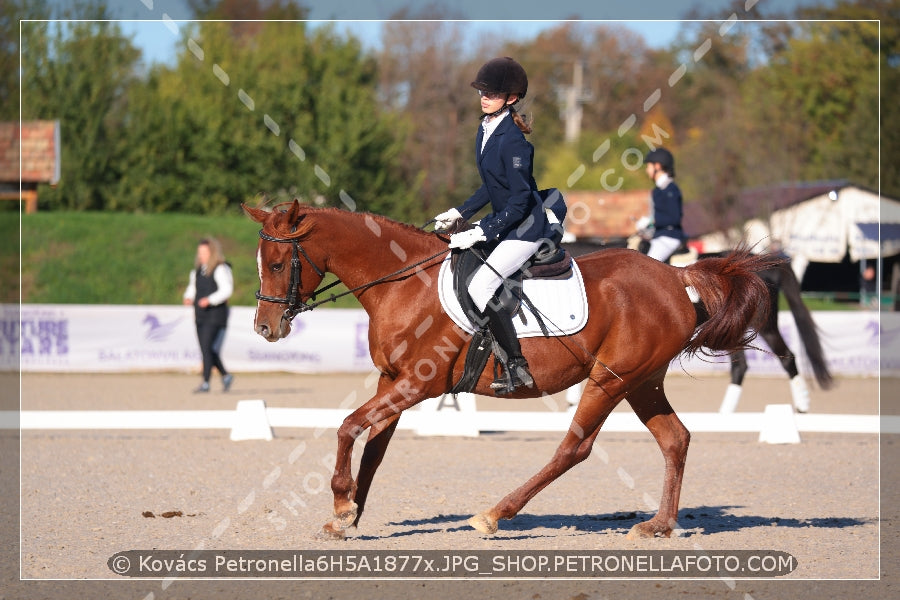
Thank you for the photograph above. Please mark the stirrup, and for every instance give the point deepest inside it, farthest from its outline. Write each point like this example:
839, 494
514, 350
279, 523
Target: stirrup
515, 375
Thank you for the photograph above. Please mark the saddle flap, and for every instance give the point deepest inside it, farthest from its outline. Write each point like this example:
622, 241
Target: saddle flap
464, 263
560, 302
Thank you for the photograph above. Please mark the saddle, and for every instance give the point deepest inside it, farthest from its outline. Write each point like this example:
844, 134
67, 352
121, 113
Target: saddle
547, 263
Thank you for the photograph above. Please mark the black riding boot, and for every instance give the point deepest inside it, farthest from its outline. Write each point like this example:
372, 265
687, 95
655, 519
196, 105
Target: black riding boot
516, 373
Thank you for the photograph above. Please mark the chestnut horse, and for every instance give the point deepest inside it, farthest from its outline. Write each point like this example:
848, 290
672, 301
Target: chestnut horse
640, 318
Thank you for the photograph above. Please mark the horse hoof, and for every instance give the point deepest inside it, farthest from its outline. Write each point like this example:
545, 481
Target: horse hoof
483, 524
345, 519
646, 530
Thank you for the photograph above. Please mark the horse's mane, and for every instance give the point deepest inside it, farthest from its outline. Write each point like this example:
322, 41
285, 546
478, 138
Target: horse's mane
304, 226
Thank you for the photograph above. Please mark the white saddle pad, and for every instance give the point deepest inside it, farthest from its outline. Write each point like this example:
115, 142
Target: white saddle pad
562, 304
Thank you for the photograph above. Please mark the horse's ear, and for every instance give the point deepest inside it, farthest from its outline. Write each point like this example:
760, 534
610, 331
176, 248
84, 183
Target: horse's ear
257, 214
293, 213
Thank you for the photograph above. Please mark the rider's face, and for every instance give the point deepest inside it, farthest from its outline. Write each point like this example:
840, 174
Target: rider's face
491, 103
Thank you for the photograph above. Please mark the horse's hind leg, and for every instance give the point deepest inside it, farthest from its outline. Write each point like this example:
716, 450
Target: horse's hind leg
594, 407
780, 348
652, 407
799, 390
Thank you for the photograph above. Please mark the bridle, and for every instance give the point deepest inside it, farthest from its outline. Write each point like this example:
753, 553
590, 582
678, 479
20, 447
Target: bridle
295, 305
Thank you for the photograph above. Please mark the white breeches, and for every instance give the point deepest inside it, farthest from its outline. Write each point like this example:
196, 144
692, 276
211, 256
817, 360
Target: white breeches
506, 259
661, 248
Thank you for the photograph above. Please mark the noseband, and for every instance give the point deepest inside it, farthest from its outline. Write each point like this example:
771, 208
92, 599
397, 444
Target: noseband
295, 305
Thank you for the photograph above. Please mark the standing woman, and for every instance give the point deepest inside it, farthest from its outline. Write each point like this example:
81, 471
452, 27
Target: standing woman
209, 288
518, 222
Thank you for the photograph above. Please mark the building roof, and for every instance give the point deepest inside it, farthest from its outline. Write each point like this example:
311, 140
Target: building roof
37, 143
753, 203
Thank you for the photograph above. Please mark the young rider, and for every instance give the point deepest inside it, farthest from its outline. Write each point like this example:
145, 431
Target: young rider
667, 205
517, 221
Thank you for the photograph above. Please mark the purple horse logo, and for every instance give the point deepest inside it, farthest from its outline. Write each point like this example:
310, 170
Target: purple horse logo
159, 331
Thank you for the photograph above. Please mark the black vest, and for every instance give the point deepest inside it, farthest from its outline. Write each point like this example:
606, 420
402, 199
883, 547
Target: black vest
206, 285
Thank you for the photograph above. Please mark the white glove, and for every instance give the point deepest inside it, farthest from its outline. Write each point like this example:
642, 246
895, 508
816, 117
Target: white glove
644, 227
468, 238
446, 219
644, 223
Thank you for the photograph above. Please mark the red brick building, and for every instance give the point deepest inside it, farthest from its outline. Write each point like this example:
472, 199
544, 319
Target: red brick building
29, 155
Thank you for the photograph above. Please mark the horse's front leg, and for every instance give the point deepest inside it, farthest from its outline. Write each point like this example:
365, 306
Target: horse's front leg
381, 414
376, 446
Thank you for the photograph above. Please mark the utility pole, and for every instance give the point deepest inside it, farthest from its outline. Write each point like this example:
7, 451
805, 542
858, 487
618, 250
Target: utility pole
574, 98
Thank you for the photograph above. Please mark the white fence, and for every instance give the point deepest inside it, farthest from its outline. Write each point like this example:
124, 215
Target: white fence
92, 338
252, 420
77, 338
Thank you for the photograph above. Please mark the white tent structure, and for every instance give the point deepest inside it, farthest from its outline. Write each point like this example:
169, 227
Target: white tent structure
827, 227
824, 228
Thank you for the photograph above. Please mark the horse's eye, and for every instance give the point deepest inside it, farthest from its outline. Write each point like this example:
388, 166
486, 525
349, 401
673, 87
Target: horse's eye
277, 267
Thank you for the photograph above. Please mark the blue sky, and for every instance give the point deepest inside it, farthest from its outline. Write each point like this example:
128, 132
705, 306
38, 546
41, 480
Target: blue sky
657, 21
474, 9
160, 44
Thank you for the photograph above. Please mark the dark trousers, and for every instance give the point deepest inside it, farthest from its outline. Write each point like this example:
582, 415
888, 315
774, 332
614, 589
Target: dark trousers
211, 335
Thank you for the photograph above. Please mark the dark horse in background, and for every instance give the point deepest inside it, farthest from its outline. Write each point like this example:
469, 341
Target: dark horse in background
641, 314
780, 277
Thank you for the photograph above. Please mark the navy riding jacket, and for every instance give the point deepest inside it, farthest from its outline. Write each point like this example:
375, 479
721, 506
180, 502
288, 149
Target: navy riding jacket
508, 184
667, 211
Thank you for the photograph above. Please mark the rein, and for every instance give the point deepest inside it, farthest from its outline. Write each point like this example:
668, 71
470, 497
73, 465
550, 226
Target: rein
295, 305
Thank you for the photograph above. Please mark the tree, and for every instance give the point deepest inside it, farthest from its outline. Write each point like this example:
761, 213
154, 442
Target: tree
617, 76
278, 113
707, 116
859, 138
426, 68
774, 102
818, 97
11, 13
80, 72
424, 78
618, 166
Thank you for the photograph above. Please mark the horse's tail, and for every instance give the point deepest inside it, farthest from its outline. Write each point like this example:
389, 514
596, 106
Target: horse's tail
790, 287
735, 299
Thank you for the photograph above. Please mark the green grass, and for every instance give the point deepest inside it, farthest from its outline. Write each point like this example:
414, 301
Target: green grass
117, 258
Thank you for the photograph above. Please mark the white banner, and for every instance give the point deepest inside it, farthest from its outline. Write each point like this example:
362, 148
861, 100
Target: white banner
82, 338
850, 342
92, 338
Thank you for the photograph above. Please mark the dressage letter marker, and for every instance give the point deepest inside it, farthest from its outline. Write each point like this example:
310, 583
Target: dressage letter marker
779, 425
251, 421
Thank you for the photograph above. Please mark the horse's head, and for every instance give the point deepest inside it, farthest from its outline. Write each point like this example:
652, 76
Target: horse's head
287, 274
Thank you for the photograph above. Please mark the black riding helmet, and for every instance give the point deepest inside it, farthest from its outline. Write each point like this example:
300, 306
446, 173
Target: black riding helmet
502, 76
664, 158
